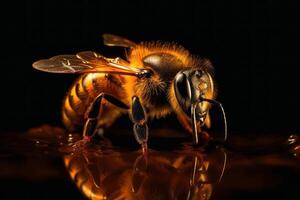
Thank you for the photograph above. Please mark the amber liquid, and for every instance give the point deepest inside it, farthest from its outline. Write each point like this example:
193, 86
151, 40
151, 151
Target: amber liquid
47, 163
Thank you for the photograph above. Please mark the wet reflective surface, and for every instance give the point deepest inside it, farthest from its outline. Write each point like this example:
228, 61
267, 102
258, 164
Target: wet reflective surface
47, 163
103, 173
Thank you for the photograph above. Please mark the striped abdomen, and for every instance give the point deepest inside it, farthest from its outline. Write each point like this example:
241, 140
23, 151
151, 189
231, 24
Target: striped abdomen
83, 93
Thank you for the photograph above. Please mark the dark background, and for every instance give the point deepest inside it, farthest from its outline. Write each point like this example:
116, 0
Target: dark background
254, 46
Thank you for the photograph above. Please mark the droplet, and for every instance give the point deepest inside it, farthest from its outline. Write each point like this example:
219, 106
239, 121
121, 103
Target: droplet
295, 150
292, 139
70, 138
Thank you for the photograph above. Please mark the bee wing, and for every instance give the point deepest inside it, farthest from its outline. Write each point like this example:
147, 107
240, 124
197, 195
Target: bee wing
115, 40
85, 62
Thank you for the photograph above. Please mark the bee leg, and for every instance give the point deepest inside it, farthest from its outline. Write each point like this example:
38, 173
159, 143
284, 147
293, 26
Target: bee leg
140, 127
90, 125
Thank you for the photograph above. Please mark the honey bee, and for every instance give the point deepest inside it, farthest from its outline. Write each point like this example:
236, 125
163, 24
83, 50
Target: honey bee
154, 80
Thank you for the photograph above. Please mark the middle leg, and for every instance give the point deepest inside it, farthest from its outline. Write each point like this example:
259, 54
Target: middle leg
140, 127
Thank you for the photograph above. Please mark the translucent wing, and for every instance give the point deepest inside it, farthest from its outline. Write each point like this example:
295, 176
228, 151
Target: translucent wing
85, 62
114, 40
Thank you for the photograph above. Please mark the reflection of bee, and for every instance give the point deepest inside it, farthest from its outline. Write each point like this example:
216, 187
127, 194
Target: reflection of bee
156, 79
186, 174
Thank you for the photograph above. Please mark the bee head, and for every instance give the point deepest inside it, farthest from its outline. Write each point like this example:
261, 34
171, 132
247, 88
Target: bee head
194, 91
191, 85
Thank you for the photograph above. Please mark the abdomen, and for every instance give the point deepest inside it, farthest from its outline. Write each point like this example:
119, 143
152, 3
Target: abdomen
83, 93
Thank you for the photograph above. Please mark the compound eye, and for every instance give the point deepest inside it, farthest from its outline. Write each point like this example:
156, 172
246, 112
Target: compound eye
182, 91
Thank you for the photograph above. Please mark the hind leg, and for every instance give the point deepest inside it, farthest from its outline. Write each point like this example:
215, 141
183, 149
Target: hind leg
94, 112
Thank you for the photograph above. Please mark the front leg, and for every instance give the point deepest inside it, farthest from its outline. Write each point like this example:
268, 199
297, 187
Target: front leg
140, 128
